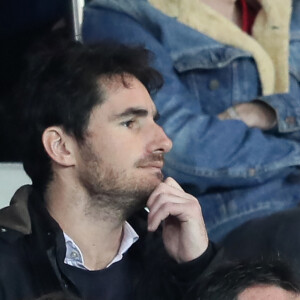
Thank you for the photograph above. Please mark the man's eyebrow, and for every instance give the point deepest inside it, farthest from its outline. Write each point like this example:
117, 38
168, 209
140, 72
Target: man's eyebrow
133, 111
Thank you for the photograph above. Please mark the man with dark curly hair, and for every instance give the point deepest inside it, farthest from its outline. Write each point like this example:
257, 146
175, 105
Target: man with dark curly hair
94, 152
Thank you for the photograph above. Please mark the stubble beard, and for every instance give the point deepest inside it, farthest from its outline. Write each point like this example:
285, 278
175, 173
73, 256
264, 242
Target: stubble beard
111, 192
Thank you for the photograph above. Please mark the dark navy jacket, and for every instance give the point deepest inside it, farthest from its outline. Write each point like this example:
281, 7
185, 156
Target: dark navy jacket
32, 250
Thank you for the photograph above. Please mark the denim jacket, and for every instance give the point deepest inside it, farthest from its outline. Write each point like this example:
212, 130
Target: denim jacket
236, 172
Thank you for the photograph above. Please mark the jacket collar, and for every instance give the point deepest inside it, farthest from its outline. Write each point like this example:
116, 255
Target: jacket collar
44, 242
16, 215
28, 215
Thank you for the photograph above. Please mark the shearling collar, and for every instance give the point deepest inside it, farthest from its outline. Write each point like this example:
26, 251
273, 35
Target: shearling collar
269, 43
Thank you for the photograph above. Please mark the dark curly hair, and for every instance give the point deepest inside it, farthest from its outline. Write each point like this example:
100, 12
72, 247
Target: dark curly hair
229, 280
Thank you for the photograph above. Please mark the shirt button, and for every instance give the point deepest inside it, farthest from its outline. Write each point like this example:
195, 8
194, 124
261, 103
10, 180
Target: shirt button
290, 120
74, 254
251, 172
214, 84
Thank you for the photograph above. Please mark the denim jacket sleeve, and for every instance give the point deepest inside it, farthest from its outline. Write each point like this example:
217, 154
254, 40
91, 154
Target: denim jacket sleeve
287, 106
220, 153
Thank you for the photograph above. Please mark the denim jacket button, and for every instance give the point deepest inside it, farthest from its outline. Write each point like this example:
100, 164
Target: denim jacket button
252, 172
290, 120
214, 84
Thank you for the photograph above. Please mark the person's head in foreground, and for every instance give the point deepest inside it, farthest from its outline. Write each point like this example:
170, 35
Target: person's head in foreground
260, 280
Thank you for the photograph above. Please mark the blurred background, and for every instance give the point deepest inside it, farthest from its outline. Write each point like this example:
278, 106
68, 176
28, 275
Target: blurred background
22, 24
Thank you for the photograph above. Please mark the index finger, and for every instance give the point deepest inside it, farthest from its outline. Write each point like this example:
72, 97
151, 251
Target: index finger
172, 182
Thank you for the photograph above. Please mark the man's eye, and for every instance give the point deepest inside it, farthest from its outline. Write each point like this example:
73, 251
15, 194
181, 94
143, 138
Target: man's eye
129, 123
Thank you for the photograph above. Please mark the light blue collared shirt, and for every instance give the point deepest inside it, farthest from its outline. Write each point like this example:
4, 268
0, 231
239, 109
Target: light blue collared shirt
74, 255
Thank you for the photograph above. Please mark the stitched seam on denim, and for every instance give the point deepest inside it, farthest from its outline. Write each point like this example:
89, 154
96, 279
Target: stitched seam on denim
204, 64
258, 208
275, 166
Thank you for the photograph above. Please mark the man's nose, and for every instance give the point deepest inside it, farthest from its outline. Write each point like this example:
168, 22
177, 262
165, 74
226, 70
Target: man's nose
161, 142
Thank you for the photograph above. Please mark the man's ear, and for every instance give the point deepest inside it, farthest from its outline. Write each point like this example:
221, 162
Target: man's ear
59, 146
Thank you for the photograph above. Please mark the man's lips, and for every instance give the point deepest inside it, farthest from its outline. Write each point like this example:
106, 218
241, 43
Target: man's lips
154, 160
154, 164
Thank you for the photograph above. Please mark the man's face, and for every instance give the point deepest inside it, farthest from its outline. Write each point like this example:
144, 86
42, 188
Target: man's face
120, 162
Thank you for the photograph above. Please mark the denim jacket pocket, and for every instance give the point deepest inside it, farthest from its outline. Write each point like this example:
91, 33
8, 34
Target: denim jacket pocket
213, 57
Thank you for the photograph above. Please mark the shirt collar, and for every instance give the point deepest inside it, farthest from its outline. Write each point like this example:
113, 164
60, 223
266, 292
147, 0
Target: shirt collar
74, 256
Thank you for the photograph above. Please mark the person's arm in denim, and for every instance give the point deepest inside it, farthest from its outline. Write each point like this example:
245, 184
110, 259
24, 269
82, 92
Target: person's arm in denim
285, 107
279, 112
206, 150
